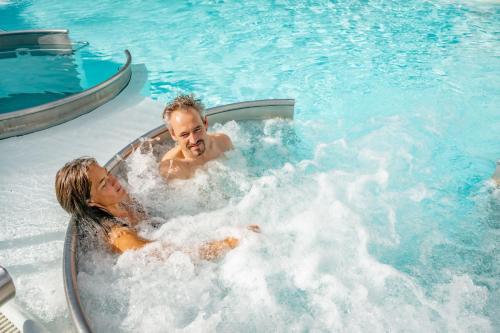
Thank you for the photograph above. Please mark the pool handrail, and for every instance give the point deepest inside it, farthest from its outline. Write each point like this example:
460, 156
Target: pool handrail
36, 41
62, 110
254, 110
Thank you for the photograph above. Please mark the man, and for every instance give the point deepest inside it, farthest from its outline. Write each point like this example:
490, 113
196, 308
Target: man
188, 125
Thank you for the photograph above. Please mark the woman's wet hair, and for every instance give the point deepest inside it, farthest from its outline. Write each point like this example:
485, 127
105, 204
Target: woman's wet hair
72, 187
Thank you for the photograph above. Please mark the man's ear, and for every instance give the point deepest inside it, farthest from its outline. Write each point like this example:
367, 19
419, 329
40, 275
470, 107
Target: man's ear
205, 122
172, 134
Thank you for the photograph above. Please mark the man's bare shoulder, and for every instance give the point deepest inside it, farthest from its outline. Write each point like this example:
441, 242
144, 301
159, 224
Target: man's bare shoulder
172, 154
223, 141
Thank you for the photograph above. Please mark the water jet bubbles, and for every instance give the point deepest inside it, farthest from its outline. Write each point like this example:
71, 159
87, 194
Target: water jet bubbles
310, 269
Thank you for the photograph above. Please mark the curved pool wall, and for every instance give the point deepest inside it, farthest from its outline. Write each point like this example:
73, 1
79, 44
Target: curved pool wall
253, 110
55, 42
35, 42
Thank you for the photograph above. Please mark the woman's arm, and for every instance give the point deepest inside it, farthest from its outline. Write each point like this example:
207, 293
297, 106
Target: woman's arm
123, 239
214, 249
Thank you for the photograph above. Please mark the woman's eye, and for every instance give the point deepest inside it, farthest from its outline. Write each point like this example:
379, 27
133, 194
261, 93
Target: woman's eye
106, 182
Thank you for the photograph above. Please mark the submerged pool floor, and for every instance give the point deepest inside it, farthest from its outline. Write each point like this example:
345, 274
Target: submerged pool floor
381, 196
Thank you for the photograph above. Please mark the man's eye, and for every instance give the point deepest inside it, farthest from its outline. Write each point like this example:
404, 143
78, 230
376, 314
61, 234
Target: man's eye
184, 135
197, 129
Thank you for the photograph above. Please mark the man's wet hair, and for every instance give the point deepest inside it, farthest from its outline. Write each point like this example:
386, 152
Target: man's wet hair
184, 102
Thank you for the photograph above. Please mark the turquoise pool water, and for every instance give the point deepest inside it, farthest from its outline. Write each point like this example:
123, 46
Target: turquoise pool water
396, 134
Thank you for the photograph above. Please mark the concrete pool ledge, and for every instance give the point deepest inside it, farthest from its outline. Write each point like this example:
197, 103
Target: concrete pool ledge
50, 114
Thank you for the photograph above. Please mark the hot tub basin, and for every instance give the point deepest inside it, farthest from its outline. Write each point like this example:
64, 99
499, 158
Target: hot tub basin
160, 138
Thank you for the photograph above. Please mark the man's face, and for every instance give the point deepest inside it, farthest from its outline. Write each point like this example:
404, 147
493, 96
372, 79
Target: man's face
190, 132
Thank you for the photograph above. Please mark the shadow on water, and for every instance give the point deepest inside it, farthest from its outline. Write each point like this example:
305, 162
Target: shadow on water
36, 267
18, 101
31, 240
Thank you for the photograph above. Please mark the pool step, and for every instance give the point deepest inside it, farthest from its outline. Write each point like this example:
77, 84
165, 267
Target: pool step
13, 318
6, 325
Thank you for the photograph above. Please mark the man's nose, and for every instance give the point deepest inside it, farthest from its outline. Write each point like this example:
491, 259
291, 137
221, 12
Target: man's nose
193, 138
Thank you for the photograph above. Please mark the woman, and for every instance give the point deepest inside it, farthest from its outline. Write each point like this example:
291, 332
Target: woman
98, 201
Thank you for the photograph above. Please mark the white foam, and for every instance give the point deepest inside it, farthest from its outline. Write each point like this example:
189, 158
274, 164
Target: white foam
309, 270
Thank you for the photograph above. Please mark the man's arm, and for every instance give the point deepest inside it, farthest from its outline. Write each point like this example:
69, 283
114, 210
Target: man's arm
223, 142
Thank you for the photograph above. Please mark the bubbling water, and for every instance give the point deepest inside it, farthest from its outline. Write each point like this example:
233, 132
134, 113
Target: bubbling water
309, 270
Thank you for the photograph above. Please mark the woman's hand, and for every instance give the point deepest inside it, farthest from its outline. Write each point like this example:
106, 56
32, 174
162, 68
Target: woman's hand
215, 249
231, 242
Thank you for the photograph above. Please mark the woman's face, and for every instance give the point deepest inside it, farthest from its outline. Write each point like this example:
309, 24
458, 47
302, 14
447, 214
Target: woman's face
105, 190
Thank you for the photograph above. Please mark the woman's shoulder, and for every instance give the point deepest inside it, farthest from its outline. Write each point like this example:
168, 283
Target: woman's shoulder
123, 238
117, 231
